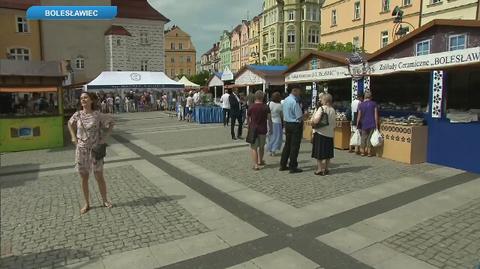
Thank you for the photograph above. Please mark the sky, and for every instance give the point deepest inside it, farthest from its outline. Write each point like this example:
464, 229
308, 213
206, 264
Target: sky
205, 20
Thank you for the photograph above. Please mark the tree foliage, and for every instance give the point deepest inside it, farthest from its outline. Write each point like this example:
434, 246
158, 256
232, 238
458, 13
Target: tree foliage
338, 47
285, 61
200, 78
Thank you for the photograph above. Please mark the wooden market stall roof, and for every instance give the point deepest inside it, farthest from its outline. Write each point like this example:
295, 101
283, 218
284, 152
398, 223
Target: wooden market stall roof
259, 74
215, 80
412, 35
27, 89
336, 58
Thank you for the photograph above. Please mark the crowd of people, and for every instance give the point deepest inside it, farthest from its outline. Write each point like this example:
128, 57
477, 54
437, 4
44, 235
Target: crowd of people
268, 121
136, 102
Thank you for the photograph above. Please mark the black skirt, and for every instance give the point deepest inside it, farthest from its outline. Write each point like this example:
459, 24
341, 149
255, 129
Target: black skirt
322, 147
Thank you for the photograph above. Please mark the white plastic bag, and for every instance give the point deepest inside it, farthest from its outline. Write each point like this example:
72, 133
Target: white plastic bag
356, 139
377, 138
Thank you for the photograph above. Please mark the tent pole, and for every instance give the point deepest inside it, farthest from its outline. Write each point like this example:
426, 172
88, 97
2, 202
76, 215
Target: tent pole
264, 87
215, 94
248, 90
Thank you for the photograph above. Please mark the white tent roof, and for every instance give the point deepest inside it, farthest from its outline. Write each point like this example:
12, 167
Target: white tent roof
132, 79
188, 84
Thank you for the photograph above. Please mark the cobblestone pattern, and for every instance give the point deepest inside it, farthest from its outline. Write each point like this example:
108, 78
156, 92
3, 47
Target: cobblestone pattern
41, 225
349, 173
447, 241
44, 156
187, 139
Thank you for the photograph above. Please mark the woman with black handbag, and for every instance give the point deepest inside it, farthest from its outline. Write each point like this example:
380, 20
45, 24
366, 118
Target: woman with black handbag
89, 129
323, 125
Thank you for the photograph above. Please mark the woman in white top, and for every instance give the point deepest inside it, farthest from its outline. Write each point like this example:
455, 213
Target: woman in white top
322, 148
275, 139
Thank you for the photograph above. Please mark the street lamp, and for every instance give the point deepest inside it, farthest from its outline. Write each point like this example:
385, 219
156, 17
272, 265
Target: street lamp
399, 29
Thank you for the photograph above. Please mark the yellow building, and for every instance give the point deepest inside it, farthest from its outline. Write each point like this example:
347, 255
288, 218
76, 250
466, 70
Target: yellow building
345, 21
19, 37
254, 42
180, 53
448, 9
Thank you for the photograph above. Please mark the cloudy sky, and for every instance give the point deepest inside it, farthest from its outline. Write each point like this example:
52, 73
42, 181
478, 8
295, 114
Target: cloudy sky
205, 20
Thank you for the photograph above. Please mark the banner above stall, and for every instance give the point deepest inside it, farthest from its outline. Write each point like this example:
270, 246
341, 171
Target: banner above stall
432, 61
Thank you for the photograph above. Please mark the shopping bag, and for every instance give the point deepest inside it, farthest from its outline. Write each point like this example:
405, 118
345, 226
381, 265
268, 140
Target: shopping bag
376, 140
356, 140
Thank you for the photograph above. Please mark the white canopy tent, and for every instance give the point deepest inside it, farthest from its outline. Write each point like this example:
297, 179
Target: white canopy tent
133, 80
188, 84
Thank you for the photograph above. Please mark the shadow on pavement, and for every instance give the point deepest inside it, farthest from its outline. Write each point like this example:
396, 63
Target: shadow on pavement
150, 201
354, 169
15, 182
55, 258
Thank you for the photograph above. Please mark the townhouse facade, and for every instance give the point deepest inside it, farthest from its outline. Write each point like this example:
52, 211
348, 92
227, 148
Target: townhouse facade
225, 50
254, 41
290, 28
236, 46
180, 53
20, 37
445, 9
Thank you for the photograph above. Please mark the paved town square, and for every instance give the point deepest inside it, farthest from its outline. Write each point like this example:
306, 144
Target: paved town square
183, 201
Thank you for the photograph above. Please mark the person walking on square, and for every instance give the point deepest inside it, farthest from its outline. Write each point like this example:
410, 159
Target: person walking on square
258, 115
275, 138
235, 115
226, 107
322, 144
88, 129
367, 122
292, 114
354, 111
189, 107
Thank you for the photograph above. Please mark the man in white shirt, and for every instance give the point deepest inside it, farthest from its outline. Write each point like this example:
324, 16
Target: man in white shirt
196, 98
226, 107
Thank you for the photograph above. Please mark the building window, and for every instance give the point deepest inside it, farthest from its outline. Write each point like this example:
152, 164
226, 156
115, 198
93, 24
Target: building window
189, 59
406, 2
144, 65
119, 42
291, 15
80, 63
356, 42
334, 17
272, 37
384, 39
181, 71
22, 25
189, 72
315, 14
180, 46
313, 36
181, 59
356, 11
291, 36
435, 1
143, 38
172, 46
19, 54
423, 48
457, 42
172, 60
385, 5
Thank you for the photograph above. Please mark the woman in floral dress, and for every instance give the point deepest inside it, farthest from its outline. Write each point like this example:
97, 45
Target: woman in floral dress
88, 128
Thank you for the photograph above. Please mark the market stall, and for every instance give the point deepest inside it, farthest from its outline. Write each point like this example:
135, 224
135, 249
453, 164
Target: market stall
216, 83
267, 78
324, 72
441, 84
118, 81
31, 108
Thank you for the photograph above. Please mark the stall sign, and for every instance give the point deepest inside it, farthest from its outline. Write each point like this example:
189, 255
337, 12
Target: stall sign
430, 61
318, 75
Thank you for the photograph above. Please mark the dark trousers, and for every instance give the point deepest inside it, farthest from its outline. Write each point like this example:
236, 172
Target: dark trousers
226, 116
236, 117
293, 133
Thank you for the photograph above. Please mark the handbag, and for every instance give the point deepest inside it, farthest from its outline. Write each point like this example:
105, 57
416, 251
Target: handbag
251, 135
99, 151
323, 120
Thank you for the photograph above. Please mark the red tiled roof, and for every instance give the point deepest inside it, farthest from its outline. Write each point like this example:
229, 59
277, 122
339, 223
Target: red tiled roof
117, 30
137, 9
19, 4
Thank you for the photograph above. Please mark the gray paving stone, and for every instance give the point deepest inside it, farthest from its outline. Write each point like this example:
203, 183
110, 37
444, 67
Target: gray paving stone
349, 173
41, 224
453, 248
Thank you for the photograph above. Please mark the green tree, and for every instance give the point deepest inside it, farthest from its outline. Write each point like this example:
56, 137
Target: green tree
285, 61
338, 46
200, 78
